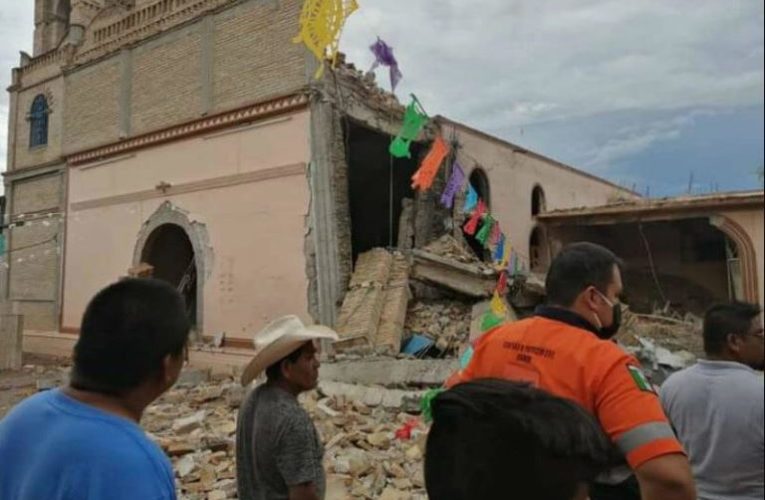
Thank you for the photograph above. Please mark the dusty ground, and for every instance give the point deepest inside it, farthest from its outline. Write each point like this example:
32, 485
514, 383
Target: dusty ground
17, 385
195, 423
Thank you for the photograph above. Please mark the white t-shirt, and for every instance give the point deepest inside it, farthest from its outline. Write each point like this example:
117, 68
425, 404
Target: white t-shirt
717, 409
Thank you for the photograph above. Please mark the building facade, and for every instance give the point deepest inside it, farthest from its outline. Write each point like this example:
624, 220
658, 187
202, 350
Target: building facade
190, 136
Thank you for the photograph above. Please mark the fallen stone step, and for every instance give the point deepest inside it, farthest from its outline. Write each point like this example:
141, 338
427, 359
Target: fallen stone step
407, 401
390, 372
467, 279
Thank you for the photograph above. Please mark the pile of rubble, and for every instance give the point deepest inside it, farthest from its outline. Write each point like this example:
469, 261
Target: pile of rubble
446, 321
195, 424
366, 453
373, 443
428, 293
663, 343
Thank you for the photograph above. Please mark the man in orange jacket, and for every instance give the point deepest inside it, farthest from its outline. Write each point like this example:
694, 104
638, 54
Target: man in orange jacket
566, 349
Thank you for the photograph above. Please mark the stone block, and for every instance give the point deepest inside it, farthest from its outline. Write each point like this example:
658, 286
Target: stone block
372, 268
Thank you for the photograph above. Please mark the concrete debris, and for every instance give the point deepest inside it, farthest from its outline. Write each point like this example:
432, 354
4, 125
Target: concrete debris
664, 331
193, 377
363, 457
394, 313
446, 322
371, 396
357, 424
374, 309
372, 269
188, 424
659, 362
449, 248
473, 280
527, 291
362, 453
388, 372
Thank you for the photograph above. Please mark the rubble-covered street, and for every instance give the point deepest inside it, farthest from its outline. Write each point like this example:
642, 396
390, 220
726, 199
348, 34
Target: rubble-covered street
366, 408
195, 424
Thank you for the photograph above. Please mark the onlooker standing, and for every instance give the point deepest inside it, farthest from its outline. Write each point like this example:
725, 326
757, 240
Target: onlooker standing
566, 350
279, 454
83, 442
717, 407
495, 439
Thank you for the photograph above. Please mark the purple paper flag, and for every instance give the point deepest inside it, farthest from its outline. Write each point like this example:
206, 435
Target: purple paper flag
512, 266
453, 186
384, 56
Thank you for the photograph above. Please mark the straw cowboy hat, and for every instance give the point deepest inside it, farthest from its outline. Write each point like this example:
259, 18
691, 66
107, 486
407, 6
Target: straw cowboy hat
280, 339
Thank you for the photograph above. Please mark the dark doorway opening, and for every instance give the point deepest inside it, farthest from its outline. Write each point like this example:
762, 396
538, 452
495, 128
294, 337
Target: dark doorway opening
169, 251
377, 184
538, 250
480, 182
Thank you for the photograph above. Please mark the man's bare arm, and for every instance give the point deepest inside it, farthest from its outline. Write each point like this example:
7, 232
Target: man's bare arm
305, 491
667, 477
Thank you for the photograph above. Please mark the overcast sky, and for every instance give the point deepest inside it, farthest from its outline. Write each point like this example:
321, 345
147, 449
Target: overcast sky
641, 92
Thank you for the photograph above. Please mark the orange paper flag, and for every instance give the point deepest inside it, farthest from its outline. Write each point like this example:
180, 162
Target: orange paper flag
427, 172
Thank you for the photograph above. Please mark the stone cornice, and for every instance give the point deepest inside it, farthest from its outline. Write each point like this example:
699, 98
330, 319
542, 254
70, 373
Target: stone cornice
242, 115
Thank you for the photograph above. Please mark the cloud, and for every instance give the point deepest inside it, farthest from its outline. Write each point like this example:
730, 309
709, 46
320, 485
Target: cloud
618, 77
637, 138
569, 59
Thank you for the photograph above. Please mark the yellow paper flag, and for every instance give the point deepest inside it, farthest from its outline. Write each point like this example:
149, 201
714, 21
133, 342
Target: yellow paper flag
321, 24
498, 306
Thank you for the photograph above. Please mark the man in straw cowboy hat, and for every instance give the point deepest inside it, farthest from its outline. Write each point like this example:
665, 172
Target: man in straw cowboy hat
279, 454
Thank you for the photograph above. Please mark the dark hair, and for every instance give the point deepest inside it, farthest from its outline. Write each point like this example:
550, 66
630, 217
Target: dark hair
127, 330
577, 267
493, 436
274, 372
722, 320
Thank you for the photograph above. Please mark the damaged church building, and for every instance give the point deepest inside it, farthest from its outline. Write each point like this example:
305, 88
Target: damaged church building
189, 141
681, 254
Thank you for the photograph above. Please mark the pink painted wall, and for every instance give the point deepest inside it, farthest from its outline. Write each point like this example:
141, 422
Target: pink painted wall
256, 229
512, 177
753, 222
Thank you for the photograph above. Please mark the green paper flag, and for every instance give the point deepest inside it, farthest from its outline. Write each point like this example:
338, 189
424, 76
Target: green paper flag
485, 232
414, 120
490, 320
426, 403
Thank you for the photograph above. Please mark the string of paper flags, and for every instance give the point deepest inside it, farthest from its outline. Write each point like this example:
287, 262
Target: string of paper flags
321, 26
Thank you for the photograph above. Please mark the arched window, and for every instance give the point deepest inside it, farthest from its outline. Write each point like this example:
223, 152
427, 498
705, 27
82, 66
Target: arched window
38, 122
480, 182
538, 202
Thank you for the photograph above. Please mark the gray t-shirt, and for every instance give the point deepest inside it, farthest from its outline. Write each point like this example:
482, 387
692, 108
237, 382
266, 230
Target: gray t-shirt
287, 448
717, 409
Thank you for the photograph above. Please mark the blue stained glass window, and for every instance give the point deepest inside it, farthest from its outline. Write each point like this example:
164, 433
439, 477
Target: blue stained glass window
38, 122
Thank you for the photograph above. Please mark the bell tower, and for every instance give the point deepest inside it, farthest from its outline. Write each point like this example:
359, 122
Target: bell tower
51, 24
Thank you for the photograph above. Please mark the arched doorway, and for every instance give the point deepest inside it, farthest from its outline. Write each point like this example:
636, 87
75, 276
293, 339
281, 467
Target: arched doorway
170, 252
480, 182
152, 237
